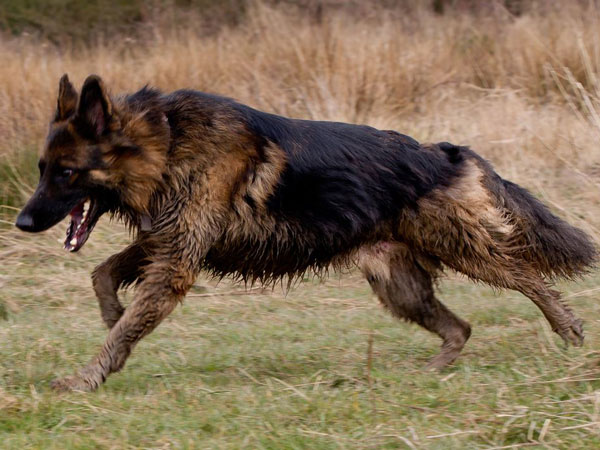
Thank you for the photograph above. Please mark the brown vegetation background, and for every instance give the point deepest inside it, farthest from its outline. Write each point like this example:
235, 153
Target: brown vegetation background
516, 81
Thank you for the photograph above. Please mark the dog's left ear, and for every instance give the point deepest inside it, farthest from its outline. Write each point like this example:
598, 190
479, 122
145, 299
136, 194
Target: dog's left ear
95, 106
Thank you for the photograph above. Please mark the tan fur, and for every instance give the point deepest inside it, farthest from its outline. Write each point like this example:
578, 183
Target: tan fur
139, 175
267, 175
465, 227
375, 260
470, 201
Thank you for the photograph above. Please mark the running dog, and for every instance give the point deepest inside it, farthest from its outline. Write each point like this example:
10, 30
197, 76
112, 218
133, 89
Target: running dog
209, 184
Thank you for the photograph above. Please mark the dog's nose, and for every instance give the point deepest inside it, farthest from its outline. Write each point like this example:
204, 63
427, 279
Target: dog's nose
24, 222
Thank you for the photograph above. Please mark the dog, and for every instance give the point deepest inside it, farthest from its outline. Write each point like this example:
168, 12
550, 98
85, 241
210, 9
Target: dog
207, 183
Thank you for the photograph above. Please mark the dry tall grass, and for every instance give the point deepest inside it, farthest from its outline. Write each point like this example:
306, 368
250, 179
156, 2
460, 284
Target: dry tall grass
522, 91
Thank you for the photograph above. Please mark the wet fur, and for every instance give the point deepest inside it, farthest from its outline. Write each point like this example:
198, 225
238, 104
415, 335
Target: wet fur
238, 192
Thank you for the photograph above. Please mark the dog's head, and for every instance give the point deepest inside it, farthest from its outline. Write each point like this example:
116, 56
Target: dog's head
96, 159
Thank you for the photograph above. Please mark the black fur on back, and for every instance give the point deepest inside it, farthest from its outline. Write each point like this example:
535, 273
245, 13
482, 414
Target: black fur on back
344, 178
344, 185
347, 185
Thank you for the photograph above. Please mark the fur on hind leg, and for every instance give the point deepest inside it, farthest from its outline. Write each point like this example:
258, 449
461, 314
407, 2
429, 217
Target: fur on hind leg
404, 284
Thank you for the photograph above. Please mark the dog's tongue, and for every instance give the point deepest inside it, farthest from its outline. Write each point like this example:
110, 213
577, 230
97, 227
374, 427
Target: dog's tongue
77, 231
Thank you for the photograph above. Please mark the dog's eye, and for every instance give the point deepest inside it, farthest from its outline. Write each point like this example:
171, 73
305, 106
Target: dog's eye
66, 173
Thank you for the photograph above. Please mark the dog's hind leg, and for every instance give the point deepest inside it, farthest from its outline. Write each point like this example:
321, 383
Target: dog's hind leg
559, 315
120, 269
518, 275
403, 283
524, 279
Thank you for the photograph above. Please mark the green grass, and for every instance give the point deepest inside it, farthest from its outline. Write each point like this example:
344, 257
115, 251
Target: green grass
262, 370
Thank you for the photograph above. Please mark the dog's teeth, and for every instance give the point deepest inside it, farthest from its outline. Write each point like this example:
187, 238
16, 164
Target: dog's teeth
73, 242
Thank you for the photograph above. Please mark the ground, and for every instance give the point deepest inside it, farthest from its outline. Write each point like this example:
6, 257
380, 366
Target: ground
321, 367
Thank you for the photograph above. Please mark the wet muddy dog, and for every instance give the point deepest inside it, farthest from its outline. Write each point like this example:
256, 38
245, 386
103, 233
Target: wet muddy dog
209, 184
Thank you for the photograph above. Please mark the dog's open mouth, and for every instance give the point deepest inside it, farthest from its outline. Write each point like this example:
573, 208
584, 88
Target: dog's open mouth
83, 218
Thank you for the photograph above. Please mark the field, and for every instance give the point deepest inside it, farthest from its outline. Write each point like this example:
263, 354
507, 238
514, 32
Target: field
322, 366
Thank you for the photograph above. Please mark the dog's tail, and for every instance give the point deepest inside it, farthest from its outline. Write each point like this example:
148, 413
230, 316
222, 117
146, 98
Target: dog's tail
551, 245
557, 248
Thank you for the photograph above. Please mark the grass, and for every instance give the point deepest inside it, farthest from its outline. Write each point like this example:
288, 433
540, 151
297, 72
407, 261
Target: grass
324, 366
262, 370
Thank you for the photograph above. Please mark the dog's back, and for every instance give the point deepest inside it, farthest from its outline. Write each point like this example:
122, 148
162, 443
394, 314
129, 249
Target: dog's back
338, 187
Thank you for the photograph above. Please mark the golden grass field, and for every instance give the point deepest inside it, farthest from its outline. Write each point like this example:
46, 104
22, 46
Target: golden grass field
322, 367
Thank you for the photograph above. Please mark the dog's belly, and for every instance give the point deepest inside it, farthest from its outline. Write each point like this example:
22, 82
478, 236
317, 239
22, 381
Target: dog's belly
271, 259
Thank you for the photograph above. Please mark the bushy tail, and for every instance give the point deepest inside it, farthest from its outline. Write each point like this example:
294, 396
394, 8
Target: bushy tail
556, 248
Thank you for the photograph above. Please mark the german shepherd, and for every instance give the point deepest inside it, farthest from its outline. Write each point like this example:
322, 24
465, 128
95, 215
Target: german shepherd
208, 183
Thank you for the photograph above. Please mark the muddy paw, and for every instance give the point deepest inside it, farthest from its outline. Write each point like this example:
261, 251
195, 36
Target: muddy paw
573, 334
453, 345
71, 383
442, 360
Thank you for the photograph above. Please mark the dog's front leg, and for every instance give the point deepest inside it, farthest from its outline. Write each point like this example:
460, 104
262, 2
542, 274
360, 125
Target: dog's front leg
122, 268
165, 283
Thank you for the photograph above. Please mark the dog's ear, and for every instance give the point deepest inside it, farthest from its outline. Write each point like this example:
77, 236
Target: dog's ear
67, 99
95, 106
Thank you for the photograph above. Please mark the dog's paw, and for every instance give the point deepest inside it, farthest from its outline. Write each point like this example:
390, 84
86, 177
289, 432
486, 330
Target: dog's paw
73, 383
573, 334
441, 361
